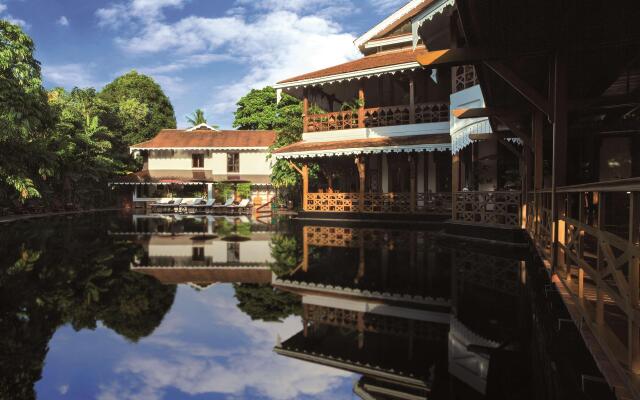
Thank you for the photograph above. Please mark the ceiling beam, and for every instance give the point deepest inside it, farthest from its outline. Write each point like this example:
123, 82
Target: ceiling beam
451, 57
517, 130
522, 87
495, 136
463, 113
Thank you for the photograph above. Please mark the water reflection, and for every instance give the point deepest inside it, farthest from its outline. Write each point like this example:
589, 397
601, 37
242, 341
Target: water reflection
141, 307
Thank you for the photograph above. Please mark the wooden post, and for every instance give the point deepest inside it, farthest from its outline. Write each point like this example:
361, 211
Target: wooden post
305, 248
412, 101
600, 264
455, 181
360, 164
305, 185
305, 109
634, 283
361, 105
559, 174
537, 120
413, 184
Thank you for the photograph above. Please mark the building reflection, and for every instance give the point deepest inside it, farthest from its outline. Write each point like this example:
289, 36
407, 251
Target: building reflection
412, 313
202, 251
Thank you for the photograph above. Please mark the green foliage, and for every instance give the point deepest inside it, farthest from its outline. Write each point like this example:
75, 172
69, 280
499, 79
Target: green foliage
244, 190
353, 105
68, 145
147, 93
263, 302
55, 272
197, 118
286, 254
258, 110
24, 115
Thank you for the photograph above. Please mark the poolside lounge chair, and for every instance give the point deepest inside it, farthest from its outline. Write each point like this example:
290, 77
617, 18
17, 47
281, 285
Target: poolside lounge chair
222, 208
240, 208
188, 203
201, 206
171, 206
162, 202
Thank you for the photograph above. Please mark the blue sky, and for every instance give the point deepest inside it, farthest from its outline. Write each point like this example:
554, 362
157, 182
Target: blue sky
204, 53
205, 348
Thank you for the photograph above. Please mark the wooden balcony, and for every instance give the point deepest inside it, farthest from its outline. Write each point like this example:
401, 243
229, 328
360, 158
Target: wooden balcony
488, 208
380, 203
377, 117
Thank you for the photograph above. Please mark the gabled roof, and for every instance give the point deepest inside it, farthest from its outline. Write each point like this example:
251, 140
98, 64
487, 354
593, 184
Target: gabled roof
374, 64
407, 11
208, 139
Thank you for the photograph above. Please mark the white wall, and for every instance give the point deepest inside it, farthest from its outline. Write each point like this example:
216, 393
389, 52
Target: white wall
251, 162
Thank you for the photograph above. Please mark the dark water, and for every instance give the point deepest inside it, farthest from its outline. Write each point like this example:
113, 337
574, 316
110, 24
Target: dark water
114, 306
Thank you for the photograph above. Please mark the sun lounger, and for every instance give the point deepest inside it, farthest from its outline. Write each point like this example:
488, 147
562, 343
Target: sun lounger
162, 202
201, 206
240, 208
186, 203
222, 208
171, 206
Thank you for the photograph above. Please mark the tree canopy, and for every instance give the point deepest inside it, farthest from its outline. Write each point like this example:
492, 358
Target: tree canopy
66, 146
132, 94
197, 118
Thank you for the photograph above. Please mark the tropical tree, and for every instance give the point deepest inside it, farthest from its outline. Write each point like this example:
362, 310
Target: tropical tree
197, 118
24, 115
264, 302
148, 94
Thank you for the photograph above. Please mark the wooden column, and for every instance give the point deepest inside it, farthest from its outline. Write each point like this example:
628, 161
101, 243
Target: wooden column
412, 183
305, 185
600, 262
360, 164
559, 166
634, 283
361, 105
305, 109
455, 181
412, 103
305, 248
537, 120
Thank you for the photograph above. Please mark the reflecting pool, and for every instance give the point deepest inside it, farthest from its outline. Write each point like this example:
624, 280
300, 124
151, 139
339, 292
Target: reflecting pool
121, 306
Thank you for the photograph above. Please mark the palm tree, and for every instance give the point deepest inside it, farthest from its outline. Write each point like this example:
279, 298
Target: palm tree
197, 118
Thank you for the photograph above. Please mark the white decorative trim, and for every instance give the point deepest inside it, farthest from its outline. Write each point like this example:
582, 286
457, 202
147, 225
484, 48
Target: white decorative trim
219, 149
427, 15
426, 128
204, 125
364, 150
388, 41
348, 76
460, 138
387, 22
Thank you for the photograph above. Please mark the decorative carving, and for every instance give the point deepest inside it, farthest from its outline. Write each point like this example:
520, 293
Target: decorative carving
499, 208
464, 76
426, 203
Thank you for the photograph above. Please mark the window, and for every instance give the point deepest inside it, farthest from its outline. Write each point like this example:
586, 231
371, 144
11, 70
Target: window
197, 254
233, 162
197, 161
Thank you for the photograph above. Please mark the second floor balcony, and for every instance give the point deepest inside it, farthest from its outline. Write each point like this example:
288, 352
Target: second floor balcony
378, 117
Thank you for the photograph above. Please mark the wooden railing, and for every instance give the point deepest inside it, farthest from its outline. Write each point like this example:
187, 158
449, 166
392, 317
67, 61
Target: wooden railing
463, 77
597, 262
332, 121
425, 203
378, 116
495, 208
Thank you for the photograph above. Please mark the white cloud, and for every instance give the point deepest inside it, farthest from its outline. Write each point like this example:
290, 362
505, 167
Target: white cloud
202, 368
11, 18
146, 11
70, 75
63, 21
274, 44
63, 389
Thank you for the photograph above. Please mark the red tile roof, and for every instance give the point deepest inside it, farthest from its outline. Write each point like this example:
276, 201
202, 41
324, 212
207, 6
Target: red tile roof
372, 61
176, 138
208, 275
413, 140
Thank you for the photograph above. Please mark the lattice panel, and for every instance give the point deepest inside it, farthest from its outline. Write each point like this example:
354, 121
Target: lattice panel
386, 116
464, 76
500, 208
496, 273
325, 236
431, 112
332, 121
332, 202
427, 203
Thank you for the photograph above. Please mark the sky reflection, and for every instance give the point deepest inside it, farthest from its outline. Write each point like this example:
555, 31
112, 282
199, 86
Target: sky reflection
205, 348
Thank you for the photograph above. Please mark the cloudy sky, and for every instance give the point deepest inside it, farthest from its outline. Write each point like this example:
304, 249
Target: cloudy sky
205, 348
205, 53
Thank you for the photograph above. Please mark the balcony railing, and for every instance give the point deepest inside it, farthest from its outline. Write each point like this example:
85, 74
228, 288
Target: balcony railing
384, 203
597, 263
495, 208
377, 117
